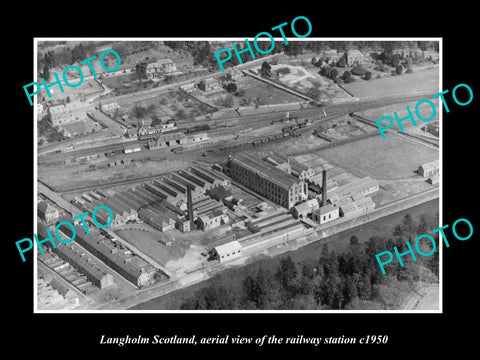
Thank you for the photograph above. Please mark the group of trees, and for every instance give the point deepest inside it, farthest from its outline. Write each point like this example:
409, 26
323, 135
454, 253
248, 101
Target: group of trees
348, 280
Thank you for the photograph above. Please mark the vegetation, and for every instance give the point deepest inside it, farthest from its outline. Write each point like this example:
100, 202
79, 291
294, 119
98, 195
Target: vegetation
231, 87
266, 70
50, 133
348, 280
358, 70
368, 75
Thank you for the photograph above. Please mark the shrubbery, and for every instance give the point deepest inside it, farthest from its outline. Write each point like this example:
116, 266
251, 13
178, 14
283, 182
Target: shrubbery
409, 71
368, 75
358, 70
399, 69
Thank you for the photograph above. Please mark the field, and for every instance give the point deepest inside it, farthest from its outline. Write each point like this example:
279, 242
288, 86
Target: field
393, 158
420, 81
257, 92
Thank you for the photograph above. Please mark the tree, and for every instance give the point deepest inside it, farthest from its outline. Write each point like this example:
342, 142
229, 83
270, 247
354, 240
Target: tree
286, 274
346, 75
342, 62
358, 70
368, 75
333, 74
231, 87
395, 60
68, 100
46, 72
266, 70
78, 53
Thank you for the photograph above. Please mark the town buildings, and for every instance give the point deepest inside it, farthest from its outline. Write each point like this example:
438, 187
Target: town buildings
118, 257
66, 113
83, 263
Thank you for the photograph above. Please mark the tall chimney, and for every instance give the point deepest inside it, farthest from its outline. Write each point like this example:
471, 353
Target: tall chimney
324, 187
190, 206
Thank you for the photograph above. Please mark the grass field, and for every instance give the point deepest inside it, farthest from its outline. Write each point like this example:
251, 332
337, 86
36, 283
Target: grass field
421, 81
393, 158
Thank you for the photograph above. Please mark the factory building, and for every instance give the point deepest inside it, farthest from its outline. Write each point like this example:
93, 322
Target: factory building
83, 263
229, 251
429, 169
304, 209
355, 206
115, 255
363, 186
267, 180
290, 166
325, 214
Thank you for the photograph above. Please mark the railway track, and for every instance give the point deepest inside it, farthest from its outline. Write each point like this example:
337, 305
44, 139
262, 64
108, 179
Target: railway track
256, 121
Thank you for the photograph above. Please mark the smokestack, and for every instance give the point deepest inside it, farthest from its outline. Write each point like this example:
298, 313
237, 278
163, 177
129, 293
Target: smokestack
324, 187
190, 206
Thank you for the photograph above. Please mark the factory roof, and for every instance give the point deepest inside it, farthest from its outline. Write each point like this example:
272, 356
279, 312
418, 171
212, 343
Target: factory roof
265, 170
312, 203
326, 209
228, 248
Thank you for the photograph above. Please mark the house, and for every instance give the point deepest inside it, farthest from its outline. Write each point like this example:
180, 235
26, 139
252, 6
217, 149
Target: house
234, 74
428, 169
209, 84
160, 68
188, 87
229, 251
354, 57
305, 208
47, 212
326, 214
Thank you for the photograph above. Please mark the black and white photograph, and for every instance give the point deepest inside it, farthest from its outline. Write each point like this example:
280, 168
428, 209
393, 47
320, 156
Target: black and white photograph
200, 182
270, 185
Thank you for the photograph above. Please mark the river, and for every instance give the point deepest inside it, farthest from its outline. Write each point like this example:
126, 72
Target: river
309, 252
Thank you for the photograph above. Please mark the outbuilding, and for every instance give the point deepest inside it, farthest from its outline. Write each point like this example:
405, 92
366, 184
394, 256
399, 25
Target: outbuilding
229, 251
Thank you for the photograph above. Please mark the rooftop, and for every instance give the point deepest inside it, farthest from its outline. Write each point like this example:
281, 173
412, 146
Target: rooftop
265, 170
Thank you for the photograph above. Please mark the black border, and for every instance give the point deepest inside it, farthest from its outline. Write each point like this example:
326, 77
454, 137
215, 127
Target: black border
80, 333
